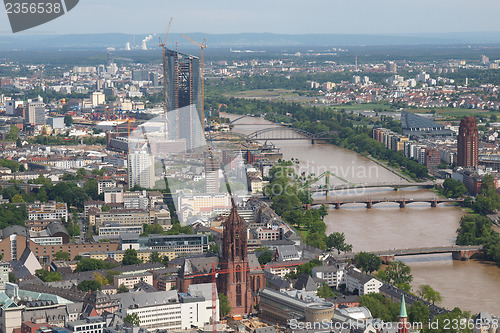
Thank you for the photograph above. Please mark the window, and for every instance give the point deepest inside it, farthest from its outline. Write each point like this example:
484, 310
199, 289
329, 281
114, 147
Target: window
238, 295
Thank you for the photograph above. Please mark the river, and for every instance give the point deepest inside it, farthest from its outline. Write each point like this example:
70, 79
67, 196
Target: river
473, 285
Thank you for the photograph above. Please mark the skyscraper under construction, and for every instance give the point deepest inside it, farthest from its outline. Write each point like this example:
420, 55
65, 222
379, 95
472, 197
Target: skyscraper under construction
183, 98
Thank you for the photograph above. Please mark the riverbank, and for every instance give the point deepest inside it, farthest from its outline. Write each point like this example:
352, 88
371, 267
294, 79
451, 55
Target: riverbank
385, 166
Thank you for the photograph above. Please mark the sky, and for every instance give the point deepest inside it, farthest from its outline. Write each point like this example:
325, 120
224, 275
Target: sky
274, 16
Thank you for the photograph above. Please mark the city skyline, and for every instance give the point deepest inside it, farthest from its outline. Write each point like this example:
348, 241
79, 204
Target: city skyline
319, 16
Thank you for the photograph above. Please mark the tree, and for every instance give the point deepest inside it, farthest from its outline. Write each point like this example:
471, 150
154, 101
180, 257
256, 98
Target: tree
122, 289
17, 198
19, 143
12, 277
336, 241
368, 262
68, 120
60, 255
154, 228
325, 291
398, 274
80, 173
455, 316
89, 285
47, 276
429, 294
418, 312
130, 257
100, 278
453, 188
132, 319
89, 264
214, 248
266, 257
381, 307
224, 306
91, 188
155, 257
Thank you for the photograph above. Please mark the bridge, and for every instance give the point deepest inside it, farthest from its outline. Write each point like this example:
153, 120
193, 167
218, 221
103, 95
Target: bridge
395, 186
369, 202
272, 133
289, 133
458, 252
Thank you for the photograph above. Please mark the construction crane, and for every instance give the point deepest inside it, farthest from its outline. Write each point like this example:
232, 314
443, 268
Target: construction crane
165, 106
128, 126
214, 273
202, 46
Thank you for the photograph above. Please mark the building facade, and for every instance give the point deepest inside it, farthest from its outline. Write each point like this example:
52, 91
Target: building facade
468, 143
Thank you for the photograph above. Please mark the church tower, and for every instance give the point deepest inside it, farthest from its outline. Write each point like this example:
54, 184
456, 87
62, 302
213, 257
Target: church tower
235, 282
403, 318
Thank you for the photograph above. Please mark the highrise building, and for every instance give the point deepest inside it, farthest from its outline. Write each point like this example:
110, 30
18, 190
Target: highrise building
391, 67
468, 143
212, 166
141, 169
183, 93
140, 75
35, 113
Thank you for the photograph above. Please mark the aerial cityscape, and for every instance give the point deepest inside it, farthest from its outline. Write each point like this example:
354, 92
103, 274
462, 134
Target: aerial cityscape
245, 179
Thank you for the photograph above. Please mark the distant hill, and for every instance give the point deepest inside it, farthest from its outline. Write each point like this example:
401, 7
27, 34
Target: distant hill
240, 40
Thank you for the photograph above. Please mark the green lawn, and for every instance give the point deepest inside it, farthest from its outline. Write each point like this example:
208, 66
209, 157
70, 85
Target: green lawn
263, 93
368, 106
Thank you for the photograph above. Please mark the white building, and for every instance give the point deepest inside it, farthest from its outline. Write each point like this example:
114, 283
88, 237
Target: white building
141, 170
98, 98
169, 310
203, 205
47, 211
333, 275
357, 282
89, 325
4, 274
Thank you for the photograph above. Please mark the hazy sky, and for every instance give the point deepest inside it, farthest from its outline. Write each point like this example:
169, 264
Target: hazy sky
277, 16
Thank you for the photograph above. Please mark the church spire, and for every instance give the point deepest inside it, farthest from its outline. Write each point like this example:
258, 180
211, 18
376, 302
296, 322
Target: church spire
402, 313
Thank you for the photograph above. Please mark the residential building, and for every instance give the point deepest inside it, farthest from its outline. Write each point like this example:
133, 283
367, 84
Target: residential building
333, 275
115, 230
47, 211
361, 284
123, 217
113, 195
130, 280
140, 169
4, 274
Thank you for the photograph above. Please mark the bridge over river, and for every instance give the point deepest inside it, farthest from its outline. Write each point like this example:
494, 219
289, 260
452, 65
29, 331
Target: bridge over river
459, 252
370, 202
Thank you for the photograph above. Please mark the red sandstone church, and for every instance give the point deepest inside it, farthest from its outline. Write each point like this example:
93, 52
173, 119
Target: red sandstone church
240, 275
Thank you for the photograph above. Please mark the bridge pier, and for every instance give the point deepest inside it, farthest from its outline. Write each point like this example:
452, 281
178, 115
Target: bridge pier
434, 204
369, 205
463, 255
313, 141
337, 205
402, 204
387, 259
